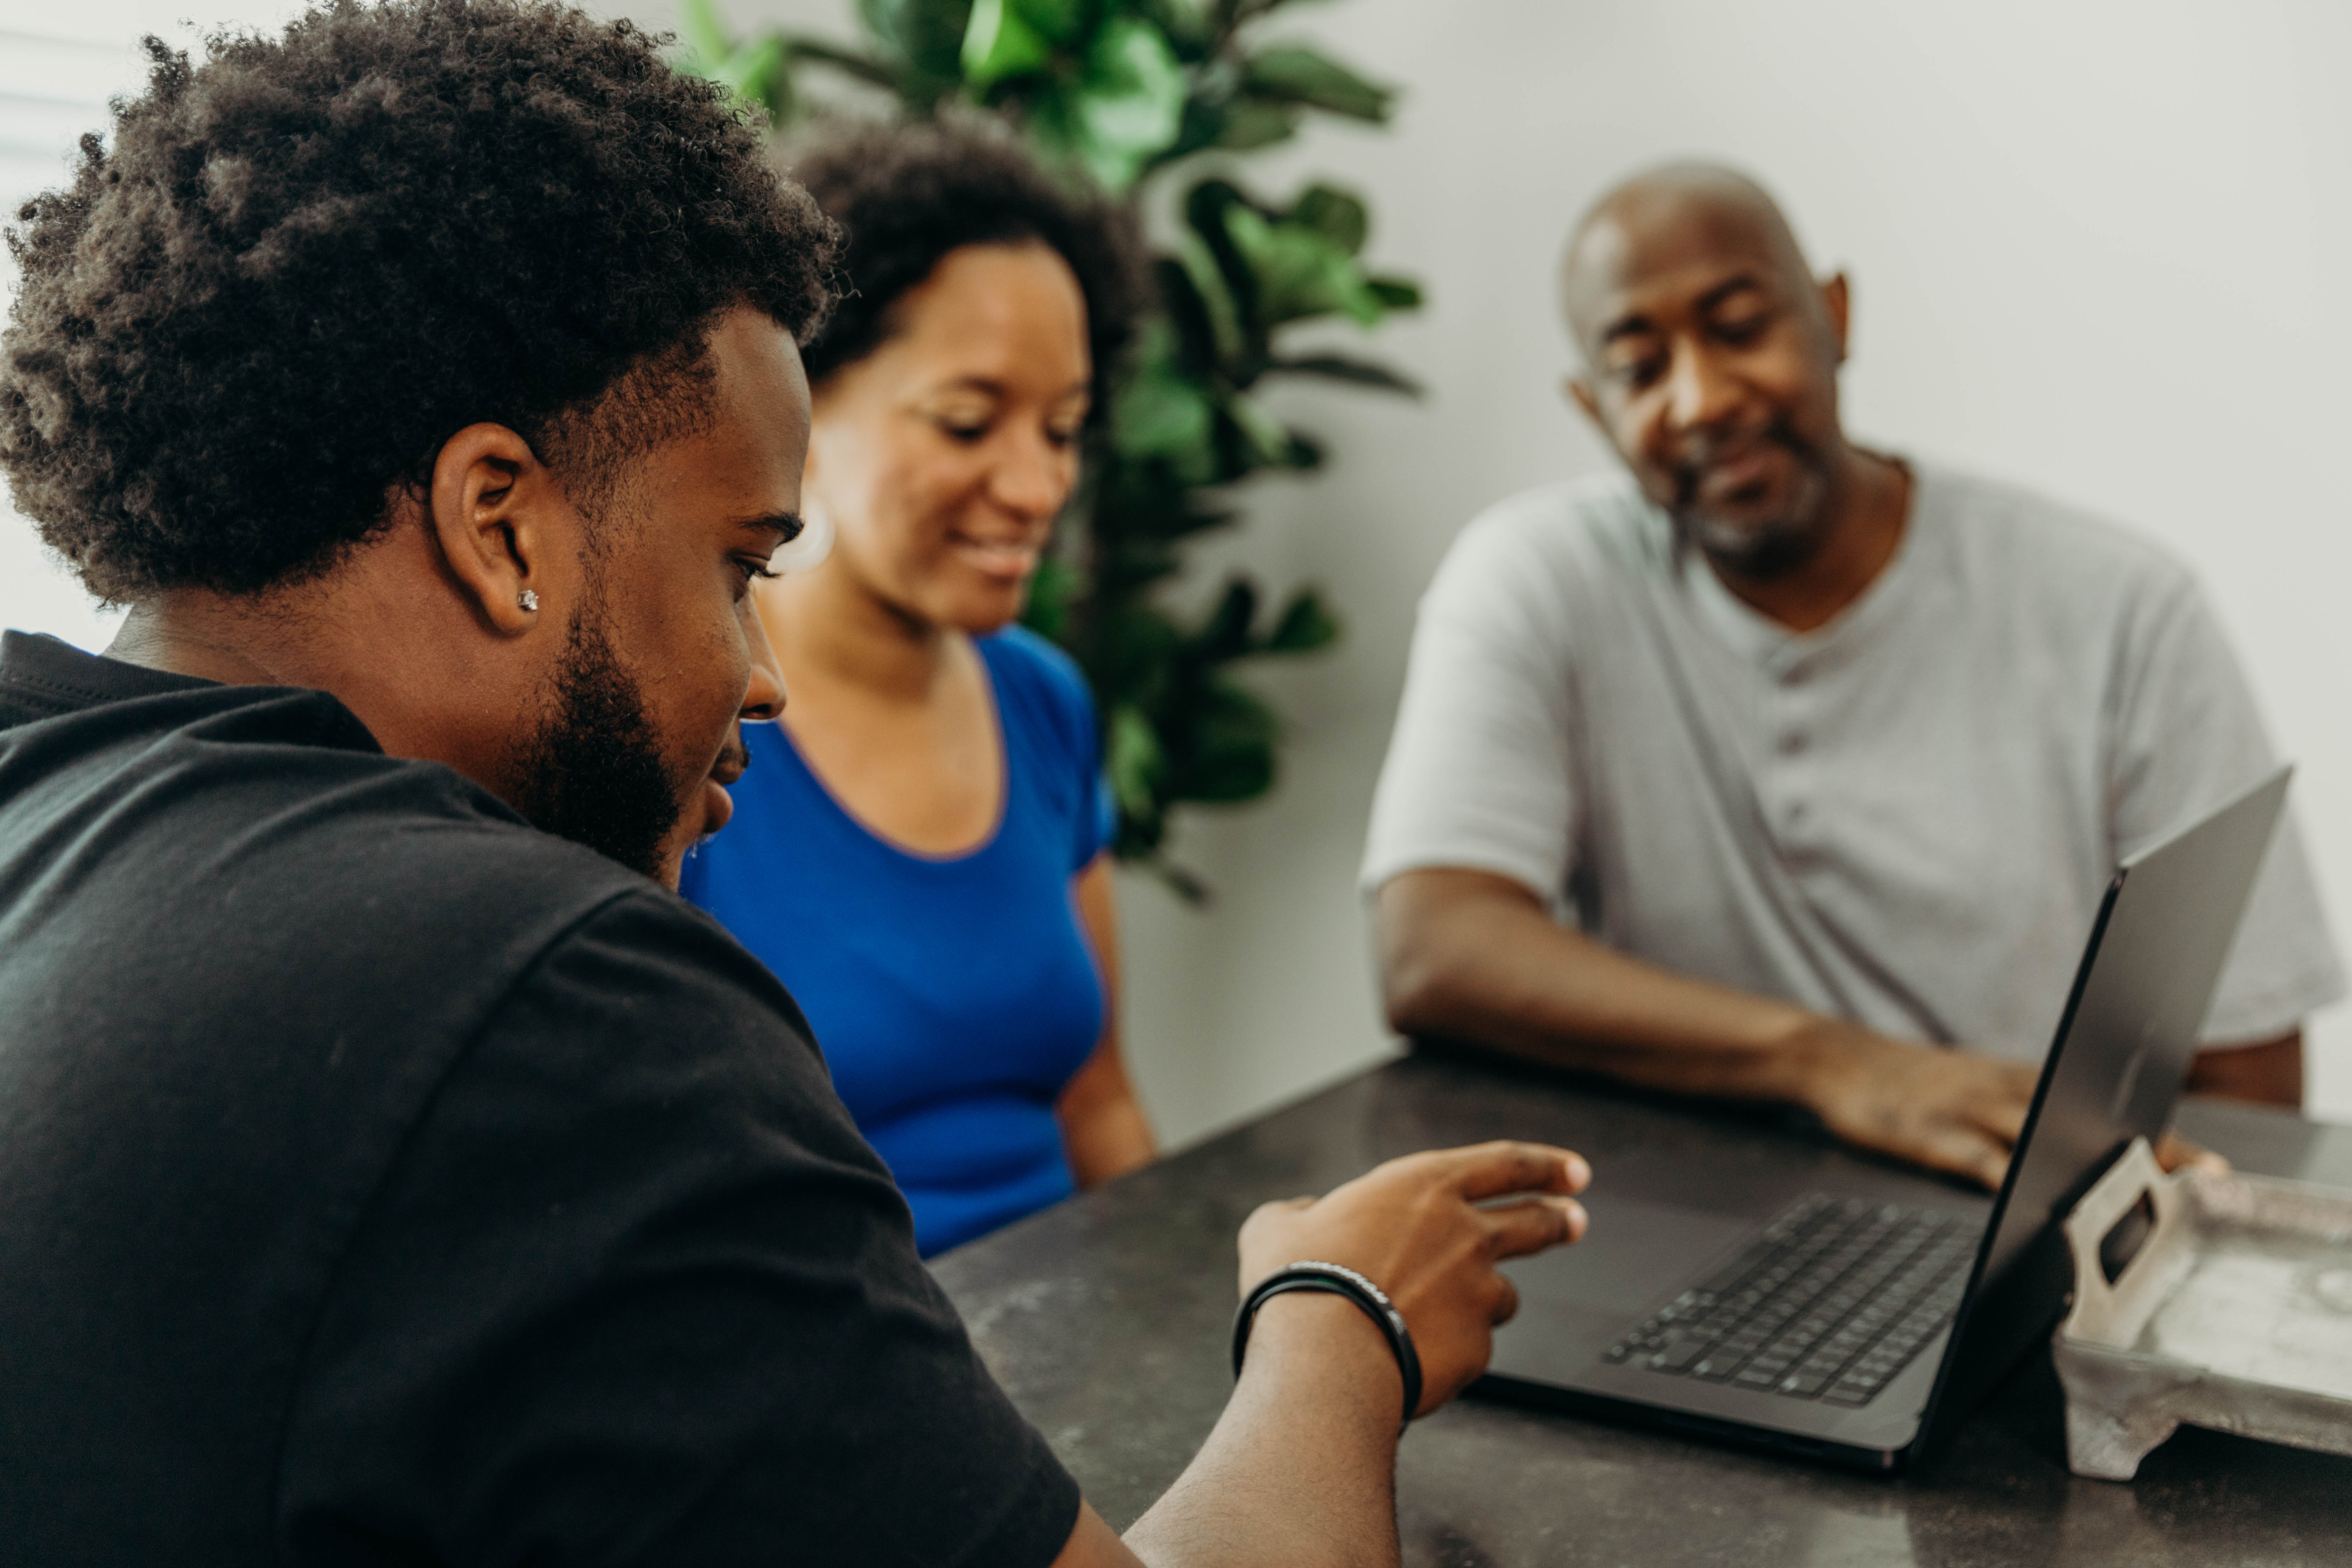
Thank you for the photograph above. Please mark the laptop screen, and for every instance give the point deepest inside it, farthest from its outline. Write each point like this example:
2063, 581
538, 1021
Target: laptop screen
2123, 1047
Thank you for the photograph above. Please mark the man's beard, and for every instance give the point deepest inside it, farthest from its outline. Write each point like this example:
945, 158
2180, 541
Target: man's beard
1771, 547
589, 772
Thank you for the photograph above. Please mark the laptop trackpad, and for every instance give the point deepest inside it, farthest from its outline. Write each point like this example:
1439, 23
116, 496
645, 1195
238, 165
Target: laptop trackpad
1634, 1253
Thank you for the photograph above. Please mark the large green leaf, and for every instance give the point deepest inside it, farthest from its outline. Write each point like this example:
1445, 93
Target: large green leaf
1211, 239
927, 37
1211, 275
1225, 632
1342, 367
1249, 124
1300, 272
1190, 25
1060, 20
1268, 438
1007, 38
1305, 624
926, 32
754, 71
1338, 215
1298, 75
1195, 345
1129, 104
1134, 656
703, 34
1134, 761
1231, 754
1160, 413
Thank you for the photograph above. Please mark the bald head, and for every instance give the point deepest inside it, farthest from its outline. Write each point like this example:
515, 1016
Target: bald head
1711, 359
1667, 214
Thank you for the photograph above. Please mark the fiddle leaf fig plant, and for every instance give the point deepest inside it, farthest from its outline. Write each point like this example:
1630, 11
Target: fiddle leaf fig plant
1131, 95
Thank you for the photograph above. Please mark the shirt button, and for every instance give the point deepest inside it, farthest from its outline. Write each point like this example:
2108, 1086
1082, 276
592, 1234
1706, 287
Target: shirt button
1791, 741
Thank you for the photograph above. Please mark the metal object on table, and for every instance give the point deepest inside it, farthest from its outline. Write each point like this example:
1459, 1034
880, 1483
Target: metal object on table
2233, 1313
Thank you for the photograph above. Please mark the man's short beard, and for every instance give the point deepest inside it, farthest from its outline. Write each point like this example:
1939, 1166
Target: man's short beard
1777, 546
591, 772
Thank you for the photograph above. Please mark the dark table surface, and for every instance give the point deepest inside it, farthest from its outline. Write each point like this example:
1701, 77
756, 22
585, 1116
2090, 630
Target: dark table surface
1106, 1318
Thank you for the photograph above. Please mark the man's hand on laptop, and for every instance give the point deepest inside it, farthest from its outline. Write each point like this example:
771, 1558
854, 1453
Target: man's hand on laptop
1426, 1230
1953, 1110
1300, 1471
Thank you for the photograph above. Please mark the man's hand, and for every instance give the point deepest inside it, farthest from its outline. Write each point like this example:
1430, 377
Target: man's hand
1416, 1228
1301, 1469
1947, 1109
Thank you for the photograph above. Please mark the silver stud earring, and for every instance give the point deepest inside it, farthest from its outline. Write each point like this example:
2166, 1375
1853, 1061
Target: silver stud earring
526, 599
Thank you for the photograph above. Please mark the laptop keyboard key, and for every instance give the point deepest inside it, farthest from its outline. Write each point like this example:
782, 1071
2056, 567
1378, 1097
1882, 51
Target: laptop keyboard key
1676, 1357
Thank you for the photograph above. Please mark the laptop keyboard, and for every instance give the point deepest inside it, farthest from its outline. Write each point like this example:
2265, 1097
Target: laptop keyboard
1831, 1302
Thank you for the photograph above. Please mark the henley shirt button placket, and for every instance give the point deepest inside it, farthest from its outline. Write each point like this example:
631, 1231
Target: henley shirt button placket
1789, 741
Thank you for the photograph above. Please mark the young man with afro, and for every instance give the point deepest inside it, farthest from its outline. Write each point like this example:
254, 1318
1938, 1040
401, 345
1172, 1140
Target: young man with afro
392, 1169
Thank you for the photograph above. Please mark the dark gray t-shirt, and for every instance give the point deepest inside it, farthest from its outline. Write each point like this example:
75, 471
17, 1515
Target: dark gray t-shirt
1907, 817
382, 1180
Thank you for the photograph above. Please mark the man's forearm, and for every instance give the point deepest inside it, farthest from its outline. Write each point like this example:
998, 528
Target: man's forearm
1468, 957
1301, 1470
2269, 1072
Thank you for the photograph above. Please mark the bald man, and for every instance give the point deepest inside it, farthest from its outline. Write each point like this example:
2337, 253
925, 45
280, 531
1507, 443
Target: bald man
1782, 769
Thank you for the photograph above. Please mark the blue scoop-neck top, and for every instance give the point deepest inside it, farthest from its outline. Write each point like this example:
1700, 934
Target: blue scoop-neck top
954, 997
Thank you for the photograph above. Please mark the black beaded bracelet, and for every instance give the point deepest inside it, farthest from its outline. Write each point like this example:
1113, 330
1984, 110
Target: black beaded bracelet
1336, 1280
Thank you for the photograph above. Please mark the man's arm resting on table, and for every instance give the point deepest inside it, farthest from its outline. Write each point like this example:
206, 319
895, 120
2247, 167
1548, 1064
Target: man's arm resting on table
1473, 956
2267, 1072
1300, 1471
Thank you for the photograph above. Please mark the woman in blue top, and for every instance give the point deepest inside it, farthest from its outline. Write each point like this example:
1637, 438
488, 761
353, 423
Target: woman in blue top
918, 849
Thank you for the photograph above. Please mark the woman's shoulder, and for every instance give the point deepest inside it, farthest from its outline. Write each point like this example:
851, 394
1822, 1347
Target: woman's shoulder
1036, 681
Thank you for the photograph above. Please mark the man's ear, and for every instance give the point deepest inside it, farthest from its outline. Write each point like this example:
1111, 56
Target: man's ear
501, 522
1580, 392
1836, 304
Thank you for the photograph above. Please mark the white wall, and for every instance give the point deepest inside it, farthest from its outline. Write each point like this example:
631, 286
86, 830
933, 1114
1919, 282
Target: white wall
2094, 248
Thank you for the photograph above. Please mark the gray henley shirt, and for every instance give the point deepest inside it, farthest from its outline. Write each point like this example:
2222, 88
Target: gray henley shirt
1906, 818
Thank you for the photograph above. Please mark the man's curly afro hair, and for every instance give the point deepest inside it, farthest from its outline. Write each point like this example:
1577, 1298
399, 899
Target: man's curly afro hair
309, 260
906, 194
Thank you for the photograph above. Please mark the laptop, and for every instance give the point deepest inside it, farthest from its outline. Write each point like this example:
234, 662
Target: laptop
1863, 1317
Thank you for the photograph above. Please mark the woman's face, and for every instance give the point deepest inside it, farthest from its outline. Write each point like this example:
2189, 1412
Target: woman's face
943, 455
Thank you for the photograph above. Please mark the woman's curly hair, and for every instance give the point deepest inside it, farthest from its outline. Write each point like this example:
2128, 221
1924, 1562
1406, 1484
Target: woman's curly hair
309, 260
906, 194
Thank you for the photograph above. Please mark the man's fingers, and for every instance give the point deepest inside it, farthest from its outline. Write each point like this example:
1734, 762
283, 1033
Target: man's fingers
1492, 1170
1506, 1305
1964, 1151
2173, 1153
1514, 1230
1957, 1148
2006, 1121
